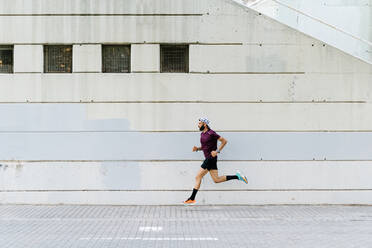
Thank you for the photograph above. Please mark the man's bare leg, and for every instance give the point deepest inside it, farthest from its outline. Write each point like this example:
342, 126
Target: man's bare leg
220, 179
198, 179
216, 178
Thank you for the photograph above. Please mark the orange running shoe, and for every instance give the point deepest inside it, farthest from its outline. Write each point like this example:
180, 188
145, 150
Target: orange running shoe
189, 202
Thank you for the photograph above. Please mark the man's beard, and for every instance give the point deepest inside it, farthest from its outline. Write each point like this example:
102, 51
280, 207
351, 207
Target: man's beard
201, 128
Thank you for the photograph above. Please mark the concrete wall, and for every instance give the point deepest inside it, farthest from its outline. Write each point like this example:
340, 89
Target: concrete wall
296, 112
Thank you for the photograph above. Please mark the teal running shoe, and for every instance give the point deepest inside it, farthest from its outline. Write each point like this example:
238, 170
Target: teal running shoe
241, 177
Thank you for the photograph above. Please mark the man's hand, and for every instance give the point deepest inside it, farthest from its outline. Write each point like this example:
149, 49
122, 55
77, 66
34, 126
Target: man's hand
214, 153
194, 149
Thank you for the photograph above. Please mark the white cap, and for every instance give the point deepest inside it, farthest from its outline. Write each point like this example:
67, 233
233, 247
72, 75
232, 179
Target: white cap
205, 120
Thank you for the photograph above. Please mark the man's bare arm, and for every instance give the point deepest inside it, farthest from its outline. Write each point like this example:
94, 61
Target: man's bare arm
195, 149
223, 143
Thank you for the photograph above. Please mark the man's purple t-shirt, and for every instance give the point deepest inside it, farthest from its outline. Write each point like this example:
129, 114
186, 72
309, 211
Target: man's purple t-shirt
208, 141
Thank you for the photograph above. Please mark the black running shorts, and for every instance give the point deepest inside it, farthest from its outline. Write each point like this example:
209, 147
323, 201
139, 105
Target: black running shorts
210, 164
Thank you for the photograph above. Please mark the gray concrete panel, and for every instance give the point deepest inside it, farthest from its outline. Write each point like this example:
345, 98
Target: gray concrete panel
182, 116
177, 146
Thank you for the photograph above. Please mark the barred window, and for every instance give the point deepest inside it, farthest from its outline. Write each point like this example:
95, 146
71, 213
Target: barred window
115, 58
6, 59
58, 58
174, 58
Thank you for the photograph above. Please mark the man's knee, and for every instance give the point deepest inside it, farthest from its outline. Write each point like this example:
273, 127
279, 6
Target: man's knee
198, 177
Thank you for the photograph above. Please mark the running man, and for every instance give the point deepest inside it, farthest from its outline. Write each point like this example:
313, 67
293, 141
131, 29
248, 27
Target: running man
208, 140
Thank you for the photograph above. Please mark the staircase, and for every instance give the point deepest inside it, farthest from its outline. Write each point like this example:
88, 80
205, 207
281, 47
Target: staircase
312, 26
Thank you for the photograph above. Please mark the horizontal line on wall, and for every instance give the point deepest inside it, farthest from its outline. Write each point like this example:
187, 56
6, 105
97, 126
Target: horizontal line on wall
182, 102
186, 131
155, 72
222, 43
126, 14
185, 43
204, 73
150, 43
256, 44
21, 72
170, 161
83, 72
208, 72
181, 190
145, 71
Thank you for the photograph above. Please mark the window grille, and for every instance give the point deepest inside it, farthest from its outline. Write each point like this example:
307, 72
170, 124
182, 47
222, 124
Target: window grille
58, 58
116, 58
174, 58
6, 59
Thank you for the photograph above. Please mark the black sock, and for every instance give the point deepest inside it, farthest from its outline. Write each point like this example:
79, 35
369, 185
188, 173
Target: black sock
194, 191
231, 177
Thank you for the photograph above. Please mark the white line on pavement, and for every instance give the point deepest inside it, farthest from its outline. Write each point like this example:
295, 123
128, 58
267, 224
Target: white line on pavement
150, 228
154, 239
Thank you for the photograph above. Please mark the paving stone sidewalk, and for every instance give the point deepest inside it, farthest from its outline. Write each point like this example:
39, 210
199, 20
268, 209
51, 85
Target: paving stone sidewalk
179, 226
